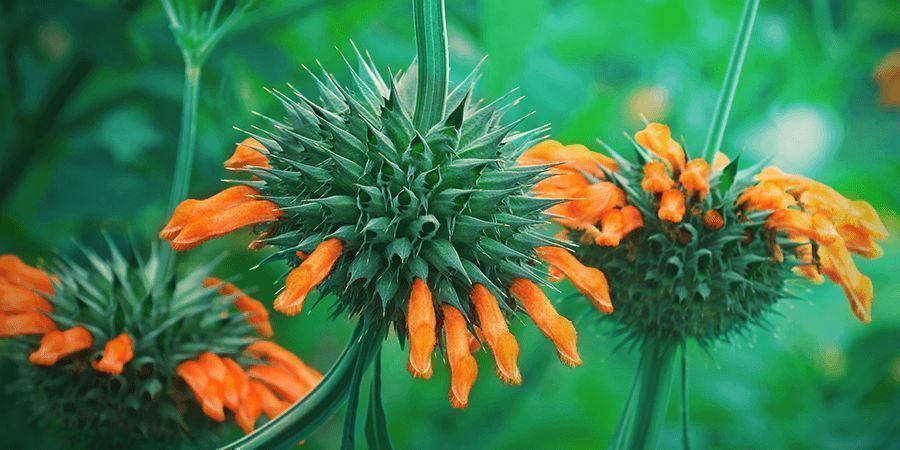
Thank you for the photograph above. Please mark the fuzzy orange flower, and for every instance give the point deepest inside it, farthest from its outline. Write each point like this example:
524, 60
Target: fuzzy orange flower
695, 178
656, 178
59, 344
249, 153
421, 325
118, 352
257, 315
671, 206
657, 138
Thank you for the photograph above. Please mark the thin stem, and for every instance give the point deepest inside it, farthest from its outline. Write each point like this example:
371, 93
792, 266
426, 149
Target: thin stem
685, 425
186, 146
433, 61
732, 76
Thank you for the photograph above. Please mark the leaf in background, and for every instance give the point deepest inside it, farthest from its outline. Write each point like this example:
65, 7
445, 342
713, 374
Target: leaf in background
128, 132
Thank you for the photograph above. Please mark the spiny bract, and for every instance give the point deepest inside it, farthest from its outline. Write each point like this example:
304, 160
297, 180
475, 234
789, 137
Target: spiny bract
448, 206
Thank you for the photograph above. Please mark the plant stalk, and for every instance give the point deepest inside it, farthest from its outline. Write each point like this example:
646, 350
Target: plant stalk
644, 413
433, 63
187, 140
730, 83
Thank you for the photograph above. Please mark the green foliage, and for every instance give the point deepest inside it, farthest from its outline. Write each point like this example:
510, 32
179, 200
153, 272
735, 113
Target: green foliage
446, 204
168, 321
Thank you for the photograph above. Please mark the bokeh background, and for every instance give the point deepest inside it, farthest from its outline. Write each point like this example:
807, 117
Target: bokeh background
89, 116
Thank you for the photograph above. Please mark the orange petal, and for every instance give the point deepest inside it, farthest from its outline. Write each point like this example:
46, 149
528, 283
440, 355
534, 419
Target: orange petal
286, 384
808, 269
463, 368
720, 161
190, 210
278, 356
858, 240
561, 186
421, 325
613, 228
633, 219
765, 196
221, 222
257, 315
556, 327
312, 271
838, 266
656, 178
657, 138
248, 412
496, 333
695, 178
56, 345
575, 158
118, 352
213, 366
18, 273
799, 223
18, 299
12, 325
204, 389
671, 206
272, 406
248, 154
713, 220
236, 389
589, 281
593, 201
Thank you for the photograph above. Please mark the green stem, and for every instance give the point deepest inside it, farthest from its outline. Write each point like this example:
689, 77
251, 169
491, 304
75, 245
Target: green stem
187, 140
685, 423
433, 63
301, 419
732, 76
642, 419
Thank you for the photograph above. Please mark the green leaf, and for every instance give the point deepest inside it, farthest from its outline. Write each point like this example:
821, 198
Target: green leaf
377, 435
726, 180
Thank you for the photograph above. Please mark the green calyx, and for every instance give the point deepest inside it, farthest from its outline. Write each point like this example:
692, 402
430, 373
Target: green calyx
445, 204
673, 281
168, 320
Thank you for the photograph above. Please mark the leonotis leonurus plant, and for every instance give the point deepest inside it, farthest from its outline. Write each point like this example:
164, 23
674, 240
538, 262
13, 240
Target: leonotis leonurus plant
694, 251
124, 355
409, 228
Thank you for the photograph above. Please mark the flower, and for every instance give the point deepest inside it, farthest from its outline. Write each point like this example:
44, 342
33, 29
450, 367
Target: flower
415, 229
703, 257
887, 75
118, 334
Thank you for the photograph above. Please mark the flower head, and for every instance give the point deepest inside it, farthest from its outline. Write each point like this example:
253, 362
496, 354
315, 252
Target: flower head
118, 336
415, 229
705, 255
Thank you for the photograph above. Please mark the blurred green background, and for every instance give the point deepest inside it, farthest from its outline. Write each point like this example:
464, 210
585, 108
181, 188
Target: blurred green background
90, 114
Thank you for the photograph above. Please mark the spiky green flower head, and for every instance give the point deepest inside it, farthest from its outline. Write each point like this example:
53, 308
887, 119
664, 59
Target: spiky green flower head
681, 260
364, 203
107, 349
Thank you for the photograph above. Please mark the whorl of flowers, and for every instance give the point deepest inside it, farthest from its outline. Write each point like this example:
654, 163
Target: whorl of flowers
120, 352
693, 251
411, 228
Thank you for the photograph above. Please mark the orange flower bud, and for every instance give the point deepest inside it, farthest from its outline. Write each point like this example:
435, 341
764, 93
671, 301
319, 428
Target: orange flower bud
713, 220
656, 178
56, 345
12, 325
658, 139
463, 368
695, 178
671, 206
309, 274
556, 327
248, 154
589, 281
13, 270
118, 352
421, 325
495, 331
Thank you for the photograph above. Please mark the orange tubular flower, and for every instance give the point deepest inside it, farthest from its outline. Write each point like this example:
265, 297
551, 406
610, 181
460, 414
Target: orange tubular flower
765, 196
280, 380
118, 352
671, 206
311, 272
495, 331
271, 405
236, 387
59, 344
556, 327
695, 178
12, 325
588, 280
18, 299
257, 315
592, 202
249, 153
219, 223
574, 158
657, 138
421, 325
656, 178
190, 210
210, 397
280, 357
463, 368
17, 273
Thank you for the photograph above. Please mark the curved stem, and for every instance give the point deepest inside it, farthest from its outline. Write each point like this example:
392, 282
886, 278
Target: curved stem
187, 140
301, 419
732, 76
433, 63
642, 419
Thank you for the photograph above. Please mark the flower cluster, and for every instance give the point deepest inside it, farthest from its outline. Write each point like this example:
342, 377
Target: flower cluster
415, 229
115, 349
694, 249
